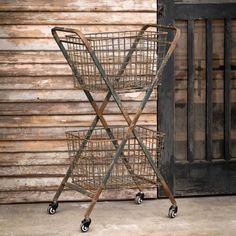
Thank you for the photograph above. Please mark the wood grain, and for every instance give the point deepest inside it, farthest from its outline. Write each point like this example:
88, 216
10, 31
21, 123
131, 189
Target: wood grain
38, 101
33, 158
70, 108
80, 6
69, 95
44, 31
66, 120
42, 195
71, 18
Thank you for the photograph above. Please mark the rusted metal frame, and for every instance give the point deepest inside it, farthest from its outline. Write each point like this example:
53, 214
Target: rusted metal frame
190, 91
209, 111
121, 146
143, 103
112, 91
111, 136
108, 173
227, 88
79, 188
157, 170
120, 72
96, 119
77, 156
133, 122
94, 123
130, 129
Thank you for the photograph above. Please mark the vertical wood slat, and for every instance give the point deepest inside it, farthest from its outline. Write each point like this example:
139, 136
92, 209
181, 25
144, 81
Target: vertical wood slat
227, 88
190, 91
166, 103
209, 111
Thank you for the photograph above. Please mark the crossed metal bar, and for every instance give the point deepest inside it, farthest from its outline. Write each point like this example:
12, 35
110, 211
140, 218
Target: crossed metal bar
99, 113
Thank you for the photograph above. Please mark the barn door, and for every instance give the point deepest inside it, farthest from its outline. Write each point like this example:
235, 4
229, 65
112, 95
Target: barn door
197, 100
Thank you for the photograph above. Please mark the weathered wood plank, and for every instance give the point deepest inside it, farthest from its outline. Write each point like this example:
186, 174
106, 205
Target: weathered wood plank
81, 5
67, 120
35, 57
32, 57
44, 31
26, 184
74, 95
33, 171
41, 133
35, 184
33, 146
43, 195
69, 108
28, 133
36, 82
70, 18
35, 70
33, 158
39, 196
26, 44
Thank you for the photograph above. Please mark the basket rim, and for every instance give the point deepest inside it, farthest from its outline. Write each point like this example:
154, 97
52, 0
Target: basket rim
117, 35
76, 133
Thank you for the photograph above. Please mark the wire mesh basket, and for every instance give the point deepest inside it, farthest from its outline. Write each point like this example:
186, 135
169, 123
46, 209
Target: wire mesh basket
130, 59
98, 153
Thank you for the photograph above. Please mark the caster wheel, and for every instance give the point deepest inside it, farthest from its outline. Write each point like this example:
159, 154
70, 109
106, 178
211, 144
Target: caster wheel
85, 225
139, 198
173, 211
52, 208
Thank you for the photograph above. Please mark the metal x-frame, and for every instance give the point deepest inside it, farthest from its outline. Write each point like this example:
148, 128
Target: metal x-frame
99, 116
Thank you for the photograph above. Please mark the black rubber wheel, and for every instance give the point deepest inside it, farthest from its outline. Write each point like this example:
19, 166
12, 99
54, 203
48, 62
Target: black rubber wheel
173, 211
52, 208
139, 198
84, 227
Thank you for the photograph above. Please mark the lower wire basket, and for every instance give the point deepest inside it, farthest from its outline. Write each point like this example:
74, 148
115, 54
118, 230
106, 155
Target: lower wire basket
132, 167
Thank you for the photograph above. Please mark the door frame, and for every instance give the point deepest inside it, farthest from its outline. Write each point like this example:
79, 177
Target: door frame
211, 177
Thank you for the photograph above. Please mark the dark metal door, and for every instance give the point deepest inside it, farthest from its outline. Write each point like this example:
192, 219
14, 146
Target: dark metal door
197, 99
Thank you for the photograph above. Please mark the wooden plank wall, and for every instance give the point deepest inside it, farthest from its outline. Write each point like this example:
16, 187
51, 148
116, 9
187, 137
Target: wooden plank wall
37, 100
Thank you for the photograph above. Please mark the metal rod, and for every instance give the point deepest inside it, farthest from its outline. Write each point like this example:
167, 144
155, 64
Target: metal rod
80, 189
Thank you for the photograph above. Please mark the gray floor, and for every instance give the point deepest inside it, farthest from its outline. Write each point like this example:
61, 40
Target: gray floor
197, 216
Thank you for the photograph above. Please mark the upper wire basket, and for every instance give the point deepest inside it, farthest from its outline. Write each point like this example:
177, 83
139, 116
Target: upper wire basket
130, 59
96, 158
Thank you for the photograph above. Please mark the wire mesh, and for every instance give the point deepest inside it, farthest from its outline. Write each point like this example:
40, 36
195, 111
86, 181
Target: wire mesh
97, 156
130, 59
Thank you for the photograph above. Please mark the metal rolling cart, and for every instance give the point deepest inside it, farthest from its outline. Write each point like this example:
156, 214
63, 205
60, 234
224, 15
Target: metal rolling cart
115, 157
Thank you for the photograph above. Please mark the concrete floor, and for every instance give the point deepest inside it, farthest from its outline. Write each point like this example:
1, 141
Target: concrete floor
197, 216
